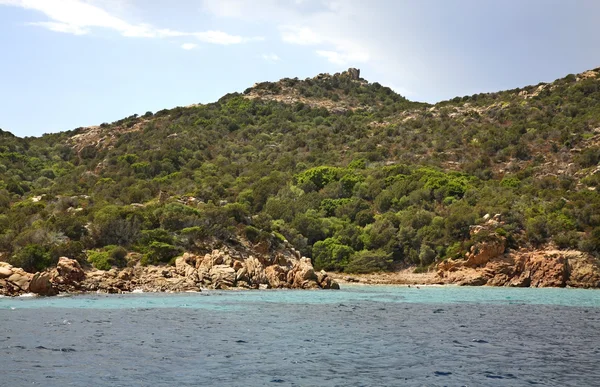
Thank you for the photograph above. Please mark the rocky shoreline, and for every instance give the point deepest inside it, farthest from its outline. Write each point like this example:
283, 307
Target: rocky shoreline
487, 263
522, 268
490, 263
220, 269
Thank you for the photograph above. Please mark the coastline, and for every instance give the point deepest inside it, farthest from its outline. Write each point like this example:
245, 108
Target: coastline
228, 269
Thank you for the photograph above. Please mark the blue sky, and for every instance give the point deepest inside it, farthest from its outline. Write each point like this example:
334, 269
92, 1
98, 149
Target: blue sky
71, 63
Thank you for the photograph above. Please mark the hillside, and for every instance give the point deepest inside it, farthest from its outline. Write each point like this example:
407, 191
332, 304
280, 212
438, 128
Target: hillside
350, 173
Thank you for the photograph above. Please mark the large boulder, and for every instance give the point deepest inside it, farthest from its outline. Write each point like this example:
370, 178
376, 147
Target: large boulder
20, 278
255, 271
547, 270
276, 276
527, 268
302, 275
222, 276
9, 289
68, 272
353, 73
186, 266
584, 271
5, 270
325, 281
40, 284
483, 252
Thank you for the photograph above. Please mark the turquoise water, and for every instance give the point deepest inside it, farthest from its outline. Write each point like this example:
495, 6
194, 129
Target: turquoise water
358, 336
223, 300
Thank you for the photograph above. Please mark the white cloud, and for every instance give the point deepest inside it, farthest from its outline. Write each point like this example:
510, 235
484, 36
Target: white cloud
299, 35
320, 23
271, 57
333, 57
189, 46
343, 51
79, 18
377, 37
62, 27
219, 37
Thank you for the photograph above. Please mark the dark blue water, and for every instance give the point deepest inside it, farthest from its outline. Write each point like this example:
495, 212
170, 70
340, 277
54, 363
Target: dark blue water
359, 336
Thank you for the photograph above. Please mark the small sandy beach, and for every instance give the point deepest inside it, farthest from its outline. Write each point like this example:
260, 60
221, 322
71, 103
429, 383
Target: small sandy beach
401, 277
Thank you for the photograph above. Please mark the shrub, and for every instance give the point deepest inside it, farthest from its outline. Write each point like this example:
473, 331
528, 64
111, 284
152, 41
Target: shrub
99, 259
32, 258
159, 252
426, 255
110, 256
330, 254
318, 176
367, 261
255, 235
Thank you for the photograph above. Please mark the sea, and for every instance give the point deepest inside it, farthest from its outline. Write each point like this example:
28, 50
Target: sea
355, 336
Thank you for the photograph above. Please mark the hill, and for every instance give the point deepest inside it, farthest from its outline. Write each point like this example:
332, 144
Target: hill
350, 173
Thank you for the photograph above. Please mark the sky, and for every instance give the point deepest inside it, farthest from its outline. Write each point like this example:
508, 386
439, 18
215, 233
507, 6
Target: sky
71, 63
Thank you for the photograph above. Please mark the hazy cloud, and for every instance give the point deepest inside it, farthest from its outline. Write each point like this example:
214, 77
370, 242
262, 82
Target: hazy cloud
318, 23
79, 18
300, 35
189, 46
271, 57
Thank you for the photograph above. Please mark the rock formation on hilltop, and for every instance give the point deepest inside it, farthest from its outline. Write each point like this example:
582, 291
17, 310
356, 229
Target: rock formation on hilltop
353, 73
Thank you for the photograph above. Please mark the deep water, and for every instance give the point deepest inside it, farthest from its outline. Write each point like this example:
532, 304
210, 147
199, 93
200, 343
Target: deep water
358, 336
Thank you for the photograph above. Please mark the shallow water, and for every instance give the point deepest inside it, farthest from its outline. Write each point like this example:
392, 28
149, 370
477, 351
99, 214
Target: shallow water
358, 336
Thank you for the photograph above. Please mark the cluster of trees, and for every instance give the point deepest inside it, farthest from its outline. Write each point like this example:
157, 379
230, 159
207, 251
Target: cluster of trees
390, 182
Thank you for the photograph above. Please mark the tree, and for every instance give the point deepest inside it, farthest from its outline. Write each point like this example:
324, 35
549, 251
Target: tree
330, 254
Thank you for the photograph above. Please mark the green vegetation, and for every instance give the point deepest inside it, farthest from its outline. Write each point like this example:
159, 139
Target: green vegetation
378, 183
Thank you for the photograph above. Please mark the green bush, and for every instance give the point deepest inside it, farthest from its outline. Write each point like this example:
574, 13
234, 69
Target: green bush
330, 254
108, 257
159, 252
99, 259
367, 261
253, 234
318, 177
32, 258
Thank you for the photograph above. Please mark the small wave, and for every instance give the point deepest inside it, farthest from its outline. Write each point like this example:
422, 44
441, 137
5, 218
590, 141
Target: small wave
56, 349
137, 291
28, 295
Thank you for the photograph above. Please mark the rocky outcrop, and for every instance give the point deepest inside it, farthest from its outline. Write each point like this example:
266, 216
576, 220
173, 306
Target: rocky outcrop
13, 280
353, 73
483, 252
583, 271
66, 276
226, 269
40, 284
539, 268
68, 271
147, 279
222, 276
487, 264
220, 269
